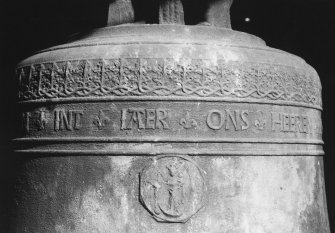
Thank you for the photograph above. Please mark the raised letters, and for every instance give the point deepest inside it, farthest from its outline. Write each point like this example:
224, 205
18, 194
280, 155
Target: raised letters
67, 119
42, 119
26, 121
233, 118
245, 119
215, 119
228, 119
150, 118
162, 115
140, 118
289, 123
183, 120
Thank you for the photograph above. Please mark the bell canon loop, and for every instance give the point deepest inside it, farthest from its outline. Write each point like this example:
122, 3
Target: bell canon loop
155, 125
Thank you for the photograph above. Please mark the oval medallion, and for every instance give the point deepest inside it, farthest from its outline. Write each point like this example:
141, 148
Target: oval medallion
172, 188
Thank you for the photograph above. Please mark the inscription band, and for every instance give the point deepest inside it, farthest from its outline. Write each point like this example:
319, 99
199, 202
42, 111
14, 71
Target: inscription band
207, 128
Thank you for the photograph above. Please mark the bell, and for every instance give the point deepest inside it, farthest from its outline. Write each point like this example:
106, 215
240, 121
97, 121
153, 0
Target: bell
168, 127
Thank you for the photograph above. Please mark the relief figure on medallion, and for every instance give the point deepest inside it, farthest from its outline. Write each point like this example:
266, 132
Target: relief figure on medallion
174, 184
171, 188
173, 193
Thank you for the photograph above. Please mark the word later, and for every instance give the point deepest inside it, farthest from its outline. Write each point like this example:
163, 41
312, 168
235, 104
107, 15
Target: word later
140, 118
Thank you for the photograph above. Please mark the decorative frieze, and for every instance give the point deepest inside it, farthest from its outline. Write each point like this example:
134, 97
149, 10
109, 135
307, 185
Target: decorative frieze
166, 78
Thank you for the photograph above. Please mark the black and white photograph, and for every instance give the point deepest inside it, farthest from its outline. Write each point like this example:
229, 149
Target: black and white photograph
167, 116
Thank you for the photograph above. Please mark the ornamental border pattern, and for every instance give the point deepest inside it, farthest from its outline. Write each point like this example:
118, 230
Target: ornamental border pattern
165, 77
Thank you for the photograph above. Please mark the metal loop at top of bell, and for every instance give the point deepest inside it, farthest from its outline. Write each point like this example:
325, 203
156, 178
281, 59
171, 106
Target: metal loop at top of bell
214, 13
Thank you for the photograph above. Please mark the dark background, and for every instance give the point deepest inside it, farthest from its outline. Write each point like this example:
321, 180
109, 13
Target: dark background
302, 27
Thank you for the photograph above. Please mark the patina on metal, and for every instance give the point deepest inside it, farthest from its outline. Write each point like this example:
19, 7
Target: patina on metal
169, 127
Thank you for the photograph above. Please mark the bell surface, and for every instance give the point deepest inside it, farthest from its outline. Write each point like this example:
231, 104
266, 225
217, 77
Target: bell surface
169, 128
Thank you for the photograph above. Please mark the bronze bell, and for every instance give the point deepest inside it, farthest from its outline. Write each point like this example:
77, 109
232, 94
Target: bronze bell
168, 127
